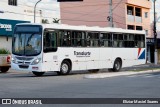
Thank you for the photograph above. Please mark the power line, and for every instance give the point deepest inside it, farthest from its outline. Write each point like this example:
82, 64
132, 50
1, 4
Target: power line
68, 19
117, 5
91, 5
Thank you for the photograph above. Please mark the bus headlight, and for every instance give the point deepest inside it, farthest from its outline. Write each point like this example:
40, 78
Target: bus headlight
36, 61
13, 59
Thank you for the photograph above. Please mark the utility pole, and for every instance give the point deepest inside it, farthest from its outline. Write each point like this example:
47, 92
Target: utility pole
155, 35
110, 17
35, 10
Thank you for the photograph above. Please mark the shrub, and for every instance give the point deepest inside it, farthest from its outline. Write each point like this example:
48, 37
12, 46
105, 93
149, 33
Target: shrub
4, 51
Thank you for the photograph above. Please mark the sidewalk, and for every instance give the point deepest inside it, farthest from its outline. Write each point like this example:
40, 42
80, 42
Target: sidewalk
139, 69
148, 66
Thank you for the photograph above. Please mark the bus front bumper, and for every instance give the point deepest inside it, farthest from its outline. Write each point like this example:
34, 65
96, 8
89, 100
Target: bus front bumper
21, 67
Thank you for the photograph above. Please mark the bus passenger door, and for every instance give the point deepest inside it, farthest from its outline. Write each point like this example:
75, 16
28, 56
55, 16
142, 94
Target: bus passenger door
50, 61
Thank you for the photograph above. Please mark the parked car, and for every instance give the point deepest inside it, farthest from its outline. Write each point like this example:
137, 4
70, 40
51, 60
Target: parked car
5, 60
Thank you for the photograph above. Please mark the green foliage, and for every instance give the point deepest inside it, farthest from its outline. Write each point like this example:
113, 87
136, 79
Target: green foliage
4, 51
45, 21
55, 20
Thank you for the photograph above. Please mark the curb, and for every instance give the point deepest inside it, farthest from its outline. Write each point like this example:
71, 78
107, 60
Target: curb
115, 74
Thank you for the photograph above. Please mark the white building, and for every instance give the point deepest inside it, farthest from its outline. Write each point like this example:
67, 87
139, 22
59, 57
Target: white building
16, 11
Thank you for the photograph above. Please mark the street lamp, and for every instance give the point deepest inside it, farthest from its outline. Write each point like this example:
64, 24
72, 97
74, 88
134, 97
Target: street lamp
35, 10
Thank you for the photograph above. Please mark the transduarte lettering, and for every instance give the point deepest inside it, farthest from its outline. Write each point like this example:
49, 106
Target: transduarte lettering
82, 53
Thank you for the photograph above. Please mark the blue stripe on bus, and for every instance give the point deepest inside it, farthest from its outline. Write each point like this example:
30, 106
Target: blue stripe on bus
142, 56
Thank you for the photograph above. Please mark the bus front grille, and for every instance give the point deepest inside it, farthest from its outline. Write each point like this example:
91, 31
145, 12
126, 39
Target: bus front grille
24, 58
24, 66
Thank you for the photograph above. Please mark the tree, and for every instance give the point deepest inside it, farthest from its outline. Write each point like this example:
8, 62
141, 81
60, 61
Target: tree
45, 21
55, 20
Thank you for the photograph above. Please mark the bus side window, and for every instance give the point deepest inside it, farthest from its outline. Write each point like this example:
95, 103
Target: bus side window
50, 44
47, 41
66, 38
88, 42
140, 41
107, 39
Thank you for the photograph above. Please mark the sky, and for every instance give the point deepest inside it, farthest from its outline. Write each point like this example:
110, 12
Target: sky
50, 8
157, 9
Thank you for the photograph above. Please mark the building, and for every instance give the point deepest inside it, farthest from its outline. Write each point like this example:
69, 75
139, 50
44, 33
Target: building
127, 14
150, 44
11, 14
17, 11
150, 39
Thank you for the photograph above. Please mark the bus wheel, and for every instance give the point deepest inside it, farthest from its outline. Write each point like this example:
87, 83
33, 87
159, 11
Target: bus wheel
37, 73
65, 68
4, 69
93, 70
117, 65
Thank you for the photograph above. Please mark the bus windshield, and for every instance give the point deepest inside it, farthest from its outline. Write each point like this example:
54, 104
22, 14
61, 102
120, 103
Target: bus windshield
27, 43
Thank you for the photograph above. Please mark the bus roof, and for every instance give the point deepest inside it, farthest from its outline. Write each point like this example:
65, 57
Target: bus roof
85, 28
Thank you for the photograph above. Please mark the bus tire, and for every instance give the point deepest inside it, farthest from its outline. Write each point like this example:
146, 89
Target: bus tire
4, 69
65, 68
117, 66
93, 70
37, 73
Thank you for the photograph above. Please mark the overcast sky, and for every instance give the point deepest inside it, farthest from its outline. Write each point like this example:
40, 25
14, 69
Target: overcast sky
157, 9
50, 7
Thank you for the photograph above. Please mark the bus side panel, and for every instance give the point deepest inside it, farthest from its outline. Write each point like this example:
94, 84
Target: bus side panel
140, 56
73, 54
78, 58
92, 59
105, 56
50, 62
126, 55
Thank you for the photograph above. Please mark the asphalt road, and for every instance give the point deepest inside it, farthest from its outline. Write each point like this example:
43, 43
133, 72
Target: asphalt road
25, 85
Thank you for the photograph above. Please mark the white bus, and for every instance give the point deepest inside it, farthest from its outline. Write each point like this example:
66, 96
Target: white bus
63, 48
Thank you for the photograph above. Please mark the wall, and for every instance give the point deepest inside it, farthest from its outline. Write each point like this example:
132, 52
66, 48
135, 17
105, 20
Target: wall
95, 12
14, 13
141, 3
88, 12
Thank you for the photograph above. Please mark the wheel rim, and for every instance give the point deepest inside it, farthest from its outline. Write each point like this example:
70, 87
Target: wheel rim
64, 68
117, 65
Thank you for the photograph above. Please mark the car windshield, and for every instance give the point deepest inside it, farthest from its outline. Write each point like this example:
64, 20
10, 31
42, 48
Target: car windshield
27, 44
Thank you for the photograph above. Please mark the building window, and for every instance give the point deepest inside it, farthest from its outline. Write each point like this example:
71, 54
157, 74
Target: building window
12, 2
130, 10
131, 27
138, 12
139, 28
146, 14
